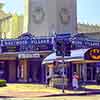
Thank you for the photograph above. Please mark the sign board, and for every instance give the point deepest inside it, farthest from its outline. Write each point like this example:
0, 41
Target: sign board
84, 42
22, 56
63, 35
10, 49
27, 44
92, 54
63, 44
13, 42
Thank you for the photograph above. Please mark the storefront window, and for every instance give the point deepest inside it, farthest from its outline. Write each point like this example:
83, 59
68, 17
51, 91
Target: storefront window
20, 72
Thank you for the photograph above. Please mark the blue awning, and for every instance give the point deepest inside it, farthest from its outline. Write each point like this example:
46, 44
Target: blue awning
75, 55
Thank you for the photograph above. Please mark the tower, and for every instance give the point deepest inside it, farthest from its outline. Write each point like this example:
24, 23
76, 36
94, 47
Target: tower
43, 17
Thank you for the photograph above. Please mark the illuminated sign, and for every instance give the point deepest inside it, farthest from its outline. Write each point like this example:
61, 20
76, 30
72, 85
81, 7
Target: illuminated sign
93, 54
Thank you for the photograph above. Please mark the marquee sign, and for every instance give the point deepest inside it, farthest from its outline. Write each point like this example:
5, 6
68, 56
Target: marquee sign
26, 43
85, 43
14, 42
93, 54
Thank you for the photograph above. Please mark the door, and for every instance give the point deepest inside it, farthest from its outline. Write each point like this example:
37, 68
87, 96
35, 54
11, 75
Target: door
2, 70
91, 72
34, 71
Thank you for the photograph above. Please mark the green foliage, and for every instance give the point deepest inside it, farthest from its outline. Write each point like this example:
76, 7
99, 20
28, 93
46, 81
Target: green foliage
2, 83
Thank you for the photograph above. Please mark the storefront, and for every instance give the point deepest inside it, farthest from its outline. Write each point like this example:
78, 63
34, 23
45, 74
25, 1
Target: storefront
87, 68
21, 58
8, 66
30, 59
30, 68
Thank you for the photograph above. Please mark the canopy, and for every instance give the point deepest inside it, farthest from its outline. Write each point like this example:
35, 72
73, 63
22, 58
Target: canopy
75, 56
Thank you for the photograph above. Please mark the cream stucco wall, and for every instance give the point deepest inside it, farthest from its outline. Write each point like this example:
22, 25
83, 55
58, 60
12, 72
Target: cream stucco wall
51, 20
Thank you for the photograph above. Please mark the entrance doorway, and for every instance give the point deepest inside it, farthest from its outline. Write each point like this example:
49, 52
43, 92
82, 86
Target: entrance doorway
4, 70
34, 71
91, 72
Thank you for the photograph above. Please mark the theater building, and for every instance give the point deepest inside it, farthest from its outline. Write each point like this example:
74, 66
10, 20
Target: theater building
30, 59
85, 67
21, 58
84, 59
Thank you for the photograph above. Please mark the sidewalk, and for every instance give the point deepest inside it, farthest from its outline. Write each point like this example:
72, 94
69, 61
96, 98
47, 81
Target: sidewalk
83, 91
33, 90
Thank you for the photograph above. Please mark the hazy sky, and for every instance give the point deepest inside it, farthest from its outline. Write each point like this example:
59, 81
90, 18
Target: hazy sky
14, 6
87, 10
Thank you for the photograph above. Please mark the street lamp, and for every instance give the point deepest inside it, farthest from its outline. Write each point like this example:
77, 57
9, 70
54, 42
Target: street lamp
63, 48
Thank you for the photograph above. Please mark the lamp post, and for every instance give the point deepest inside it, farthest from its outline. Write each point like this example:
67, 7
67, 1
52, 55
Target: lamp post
63, 47
63, 87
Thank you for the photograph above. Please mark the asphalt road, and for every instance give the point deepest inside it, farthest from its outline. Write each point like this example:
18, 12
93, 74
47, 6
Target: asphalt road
94, 97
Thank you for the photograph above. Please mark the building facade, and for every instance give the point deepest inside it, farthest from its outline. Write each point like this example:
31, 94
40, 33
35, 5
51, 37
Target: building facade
45, 17
21, 58
84, 59
29, 59
11, 25
88, 28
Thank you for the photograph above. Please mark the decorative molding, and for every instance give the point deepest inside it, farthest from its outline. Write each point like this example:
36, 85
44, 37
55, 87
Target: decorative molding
64, 16
38, 15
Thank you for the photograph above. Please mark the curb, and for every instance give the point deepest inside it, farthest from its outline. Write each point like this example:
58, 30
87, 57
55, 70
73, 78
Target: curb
75, 94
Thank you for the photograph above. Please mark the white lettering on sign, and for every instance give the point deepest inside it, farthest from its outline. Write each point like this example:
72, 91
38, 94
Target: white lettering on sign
28, 55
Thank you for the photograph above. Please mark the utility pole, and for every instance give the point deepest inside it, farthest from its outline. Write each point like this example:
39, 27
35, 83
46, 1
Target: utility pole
63, 74
63, 48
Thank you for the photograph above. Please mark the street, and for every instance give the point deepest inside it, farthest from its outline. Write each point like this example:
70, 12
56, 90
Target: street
40, 92
95, 97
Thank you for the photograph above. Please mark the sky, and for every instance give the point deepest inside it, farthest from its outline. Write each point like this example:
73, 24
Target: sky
14, 6
87, 10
